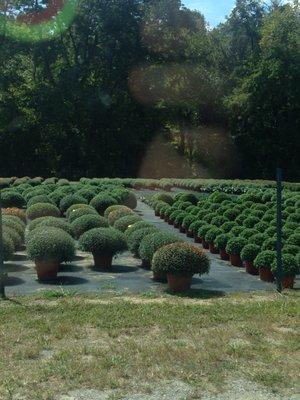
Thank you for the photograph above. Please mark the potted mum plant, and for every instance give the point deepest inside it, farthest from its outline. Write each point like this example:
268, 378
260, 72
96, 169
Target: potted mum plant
248, 254
180, 261
193, 228
103, 243
289, 270
220, 243
49, 247
234, 248
263, 262
202, 232
210, 238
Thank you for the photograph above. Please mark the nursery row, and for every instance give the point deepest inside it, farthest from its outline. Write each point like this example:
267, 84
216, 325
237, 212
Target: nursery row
201, 185
99, 220
241, 228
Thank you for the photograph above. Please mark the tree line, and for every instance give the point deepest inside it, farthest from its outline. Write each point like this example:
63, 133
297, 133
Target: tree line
89, 97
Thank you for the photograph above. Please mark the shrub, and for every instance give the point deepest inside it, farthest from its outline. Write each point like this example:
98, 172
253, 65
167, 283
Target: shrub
12, 199
136, 237
87, 193
269, 244
259, 238
119, 213
240, 219
113, 208
236, 230
219, 220
104, 241
187, 221
250, 222
248, 233
15, 237
75, 207
180, 259
294, 218
291, 249
33, 224
42, 210
69, 200
264, 259
102, 201
261, 226
152, 242
16, 212
221, 240
218, 197
86, 222
180, 217
212, 234
164, 209
11, 223
136, 226
294, 239
14, 221
79, 212
267, 218
227, 226
208, 217
54, 222
289, 265
8, 247
201, 214
271, 231
189, 197
167, 198
50, 244
195, 226
250, 252
235, 245
39, 199
231, 214
123, 223
184, 205
128, 199
203, 230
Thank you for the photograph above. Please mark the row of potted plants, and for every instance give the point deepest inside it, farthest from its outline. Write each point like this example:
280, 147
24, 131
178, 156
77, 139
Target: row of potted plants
241, 229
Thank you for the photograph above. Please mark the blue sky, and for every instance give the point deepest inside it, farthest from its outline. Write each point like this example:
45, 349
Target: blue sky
213, 10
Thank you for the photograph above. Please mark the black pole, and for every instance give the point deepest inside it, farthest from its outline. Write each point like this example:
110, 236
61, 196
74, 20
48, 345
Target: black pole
279, 230
2, 274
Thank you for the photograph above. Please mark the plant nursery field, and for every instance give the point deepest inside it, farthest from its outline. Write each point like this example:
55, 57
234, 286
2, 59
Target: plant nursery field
148, 289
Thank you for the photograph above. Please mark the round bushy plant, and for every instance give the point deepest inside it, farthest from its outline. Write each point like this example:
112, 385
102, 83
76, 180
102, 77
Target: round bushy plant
219, 220
128, 199
269, 244
236, 230
294, 239
211, 234
195, 226
218, 197
167, 198
250, 222
136, 226
16, 212
152, 242
235, 245
119, 213
248, 233
231, 214
259, 239
113, 208
221, 241
294, 218
16, 238
208, 217
202, 231
8, 247
187, 221
12, 198
201, 214
261, 226
271, 231
184, 205
53, 222
164, 210
42, 210
123, 223
87, 193
102, 201
240, 219
291, 249
69, 200
180, 217
103, 241
136, 237
79, 212
86, 222
43, 198
50, 244
264, 259
13, 221
189, 197
180, 259
227, 226
289, 265
250, 252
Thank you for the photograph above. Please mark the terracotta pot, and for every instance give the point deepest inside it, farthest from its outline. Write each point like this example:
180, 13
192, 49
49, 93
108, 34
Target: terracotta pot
205, 245
265, 275
198, 239
46, 270
145, 264
102, 261
170, 222
223, 255
182, 229
189, 234
235, 260
213, 249
288, 282
159, 277
250, 269
179, 283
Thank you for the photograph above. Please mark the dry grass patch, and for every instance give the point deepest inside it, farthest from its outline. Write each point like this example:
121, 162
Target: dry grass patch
128, 344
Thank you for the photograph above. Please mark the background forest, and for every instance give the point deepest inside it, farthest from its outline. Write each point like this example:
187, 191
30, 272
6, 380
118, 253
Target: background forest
124, 74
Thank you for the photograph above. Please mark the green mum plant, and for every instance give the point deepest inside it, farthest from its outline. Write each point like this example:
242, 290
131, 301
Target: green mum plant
187, 221
236, 230
135, 238
79, 212
8, 246
52, 222
152, 242
123, 223
203, 230
102, 201
212, 234
250, 252
87, 222
42, 210
221, 241
289, 265
259, 239
291, 249
219, 220
15, 237
294, 239
12, 198
70, 200
264, 259
136, 226
261, 226
248, 233
269, 244
167, 198
180, 259
227, 226
50, 244
195, 226
235, 245
119, 213
250, 222
103, 241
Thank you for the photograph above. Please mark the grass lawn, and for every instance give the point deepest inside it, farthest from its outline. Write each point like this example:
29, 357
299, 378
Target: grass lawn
59, 341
